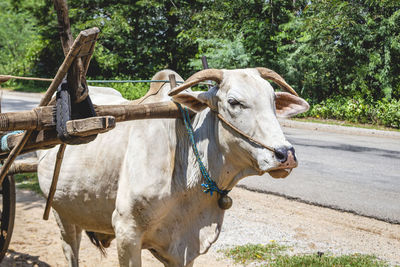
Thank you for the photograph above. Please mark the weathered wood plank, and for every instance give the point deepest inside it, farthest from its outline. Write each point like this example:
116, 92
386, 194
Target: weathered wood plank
42, 117
23, 166
46, 139
47, 136
90, 126
36, 119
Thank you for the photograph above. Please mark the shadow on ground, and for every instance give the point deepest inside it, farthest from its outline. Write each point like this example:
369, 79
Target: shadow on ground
14, 258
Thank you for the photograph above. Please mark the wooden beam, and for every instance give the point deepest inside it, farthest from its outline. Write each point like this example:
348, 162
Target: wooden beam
42, 117
23, 166
90, 126
48, 138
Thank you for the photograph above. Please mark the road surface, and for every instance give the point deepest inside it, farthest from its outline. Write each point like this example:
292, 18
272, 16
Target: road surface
348, 172
15, 101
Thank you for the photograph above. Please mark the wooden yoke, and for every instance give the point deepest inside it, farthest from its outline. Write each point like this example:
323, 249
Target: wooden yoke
85, 38
76, 62
76, 92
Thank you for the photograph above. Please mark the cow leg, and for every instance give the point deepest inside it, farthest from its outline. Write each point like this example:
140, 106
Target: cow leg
128, 240
71, 235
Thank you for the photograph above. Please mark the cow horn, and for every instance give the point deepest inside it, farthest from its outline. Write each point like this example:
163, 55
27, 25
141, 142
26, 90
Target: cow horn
276, 78
203, 75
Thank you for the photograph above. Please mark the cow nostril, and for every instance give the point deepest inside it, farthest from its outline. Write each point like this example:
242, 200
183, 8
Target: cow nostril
281, 154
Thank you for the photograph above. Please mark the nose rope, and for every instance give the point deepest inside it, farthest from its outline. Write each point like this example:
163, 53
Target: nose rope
210, 186
251, 139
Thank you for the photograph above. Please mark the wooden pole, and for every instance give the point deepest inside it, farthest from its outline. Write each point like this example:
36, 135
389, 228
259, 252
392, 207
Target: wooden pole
23, 166
42, 117
64, 26
172, 80
66, 41
76, 80
5, 78
56, 173
77, 71
205, 66
204, 62
45, 139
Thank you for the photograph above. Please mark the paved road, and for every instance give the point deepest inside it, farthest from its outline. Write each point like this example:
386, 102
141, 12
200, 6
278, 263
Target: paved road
349, 172
344, 171
15, 101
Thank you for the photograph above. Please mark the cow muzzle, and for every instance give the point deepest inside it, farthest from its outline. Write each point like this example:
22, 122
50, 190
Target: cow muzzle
287, 161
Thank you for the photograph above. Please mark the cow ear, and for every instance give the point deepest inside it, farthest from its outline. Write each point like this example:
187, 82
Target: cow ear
288, 105
192, 100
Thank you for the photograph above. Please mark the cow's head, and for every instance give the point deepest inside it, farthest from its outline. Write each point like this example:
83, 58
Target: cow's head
247, 101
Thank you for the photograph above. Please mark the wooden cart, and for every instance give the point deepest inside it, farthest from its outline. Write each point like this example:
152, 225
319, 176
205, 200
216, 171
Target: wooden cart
68, 118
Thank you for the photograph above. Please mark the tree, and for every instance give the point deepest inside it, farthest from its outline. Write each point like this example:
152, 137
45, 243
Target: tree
251, 25
19, 42
137, 38
343, 47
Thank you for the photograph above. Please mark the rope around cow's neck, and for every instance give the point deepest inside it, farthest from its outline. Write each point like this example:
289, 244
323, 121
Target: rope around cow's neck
209, 185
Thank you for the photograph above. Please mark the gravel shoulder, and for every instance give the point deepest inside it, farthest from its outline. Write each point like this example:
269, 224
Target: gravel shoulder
254, 218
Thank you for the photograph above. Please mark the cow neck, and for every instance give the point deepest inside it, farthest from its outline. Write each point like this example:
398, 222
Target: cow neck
223, 174
209, 185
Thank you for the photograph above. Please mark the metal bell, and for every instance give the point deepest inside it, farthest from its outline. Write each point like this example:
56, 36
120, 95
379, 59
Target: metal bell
225, 202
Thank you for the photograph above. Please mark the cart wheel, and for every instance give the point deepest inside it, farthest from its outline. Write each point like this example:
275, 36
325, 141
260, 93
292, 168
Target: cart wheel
7, 213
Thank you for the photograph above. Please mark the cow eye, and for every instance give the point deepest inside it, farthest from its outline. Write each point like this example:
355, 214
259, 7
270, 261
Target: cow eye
233, 102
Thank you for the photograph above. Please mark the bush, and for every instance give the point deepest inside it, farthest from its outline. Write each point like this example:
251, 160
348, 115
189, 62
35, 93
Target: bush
388, 113
130, 91
358, 110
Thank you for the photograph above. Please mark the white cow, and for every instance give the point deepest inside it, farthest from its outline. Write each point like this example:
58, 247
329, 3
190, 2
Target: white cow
141, 183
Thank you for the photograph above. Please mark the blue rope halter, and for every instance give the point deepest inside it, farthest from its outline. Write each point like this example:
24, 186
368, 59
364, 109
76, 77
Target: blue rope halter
4, 140
209, 185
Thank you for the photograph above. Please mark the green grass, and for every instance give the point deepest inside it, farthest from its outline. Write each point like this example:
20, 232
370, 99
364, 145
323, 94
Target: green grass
356, 260
251, 252
26, 87
28, 181
273, 254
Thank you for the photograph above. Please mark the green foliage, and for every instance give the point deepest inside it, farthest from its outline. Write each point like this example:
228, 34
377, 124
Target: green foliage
19, 41
221, 53
138, 38
130, 91
28, 86
250, 25
254, 252
328, 50
28, 181
343, 47
356, 260
273, 255
358, 110
388, 113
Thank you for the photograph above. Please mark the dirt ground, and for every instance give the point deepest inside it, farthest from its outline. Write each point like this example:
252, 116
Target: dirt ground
254, 218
